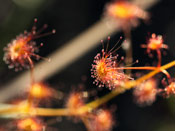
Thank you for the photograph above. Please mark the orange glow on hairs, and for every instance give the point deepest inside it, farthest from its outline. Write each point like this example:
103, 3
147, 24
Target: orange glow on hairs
103, 120
145, 93
39, 90
170, 89
155, 43
30, 124
106, 70
126, 11
19, 51
74, 101
122, 10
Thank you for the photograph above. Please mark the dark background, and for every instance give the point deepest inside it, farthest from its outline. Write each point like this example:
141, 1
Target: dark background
70, 18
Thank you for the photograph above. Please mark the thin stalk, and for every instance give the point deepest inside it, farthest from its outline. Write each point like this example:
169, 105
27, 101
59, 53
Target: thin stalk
51, 112
137, 68
159, 58
32, 81
145, 68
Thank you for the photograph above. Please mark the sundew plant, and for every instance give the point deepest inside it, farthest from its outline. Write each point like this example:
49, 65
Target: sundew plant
124, 82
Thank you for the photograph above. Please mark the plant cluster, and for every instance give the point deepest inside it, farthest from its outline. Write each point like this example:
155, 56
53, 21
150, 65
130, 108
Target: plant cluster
107, 71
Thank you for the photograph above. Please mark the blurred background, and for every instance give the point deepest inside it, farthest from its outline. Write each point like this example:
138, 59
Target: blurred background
70, 19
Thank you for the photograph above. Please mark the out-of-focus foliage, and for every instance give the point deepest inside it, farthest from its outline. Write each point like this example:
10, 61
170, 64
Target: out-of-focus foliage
29, 4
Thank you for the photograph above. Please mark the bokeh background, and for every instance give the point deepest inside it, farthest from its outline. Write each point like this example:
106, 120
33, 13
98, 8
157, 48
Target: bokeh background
71, 18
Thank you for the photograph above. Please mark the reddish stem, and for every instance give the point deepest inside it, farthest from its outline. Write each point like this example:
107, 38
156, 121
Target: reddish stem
32, 81
159, 58
137, 68
146, 68
31, 70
